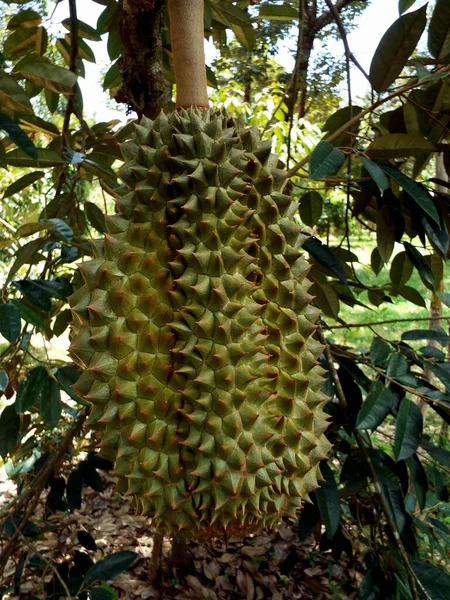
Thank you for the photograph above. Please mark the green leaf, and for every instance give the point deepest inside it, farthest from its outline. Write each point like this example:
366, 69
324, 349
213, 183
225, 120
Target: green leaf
278, 12
245, 35
34, 123
111, 566
31, 228
397, 365
18, 136
390, 486
376, 407
328, 500
401, 269
102, 592
10, 322
399, 145
375, 172
326, 298
435, 580
408, 429
84, 30
51, 77
12, 95
417, 192
403, 5
40, 291
19, 42
22, 183
439, 30
310, 209
325, 160
437, 235
376, 262
113, 78
424, 269
41, 41
379, 350
445, 298
9, 429
419, 479
4, 380
395, 47
325, 257
45, 158
24, 19
427, 334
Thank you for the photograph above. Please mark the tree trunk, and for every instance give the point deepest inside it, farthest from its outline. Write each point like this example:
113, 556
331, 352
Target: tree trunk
144, 87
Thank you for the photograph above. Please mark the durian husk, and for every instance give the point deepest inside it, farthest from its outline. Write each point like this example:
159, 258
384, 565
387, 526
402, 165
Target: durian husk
194, 330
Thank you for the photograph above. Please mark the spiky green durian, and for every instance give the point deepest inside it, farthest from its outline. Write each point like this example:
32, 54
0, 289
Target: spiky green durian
194, 332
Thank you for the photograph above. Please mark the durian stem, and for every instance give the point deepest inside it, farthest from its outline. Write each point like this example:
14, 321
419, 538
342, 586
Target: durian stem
155, 559
188, 52
179, 556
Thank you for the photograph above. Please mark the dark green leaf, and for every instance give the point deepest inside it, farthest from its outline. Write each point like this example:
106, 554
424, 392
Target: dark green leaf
325, 257
401, 269
412, 295
102, 592
31, 389
375, 172
440, 455
376, 261
328, 500
439, 30
9, 322
427, 334
386, 232
95, 216
395, 47
419, 479
325, 160
111, 566
425, 272
50, 403
408, 429
403, 5
73, 489
376, 407
61, 230
9, 429
379, 350
437, 235
86, 540
66, 377
397, 365
22, 183
417, 192
40, 291
309, 518
310, 208
18, 136
29, 314
435, 581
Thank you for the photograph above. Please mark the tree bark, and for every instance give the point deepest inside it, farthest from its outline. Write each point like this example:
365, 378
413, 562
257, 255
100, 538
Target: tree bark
144, 87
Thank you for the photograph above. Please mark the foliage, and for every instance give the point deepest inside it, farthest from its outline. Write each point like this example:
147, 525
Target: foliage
385, 487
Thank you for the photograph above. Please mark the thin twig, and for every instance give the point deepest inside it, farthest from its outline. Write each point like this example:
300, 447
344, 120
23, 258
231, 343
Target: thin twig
385, 322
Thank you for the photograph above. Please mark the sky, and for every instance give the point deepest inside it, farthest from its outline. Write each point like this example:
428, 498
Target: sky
363, 42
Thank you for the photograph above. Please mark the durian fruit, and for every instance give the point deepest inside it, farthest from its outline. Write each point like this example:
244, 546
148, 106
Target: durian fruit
194, 332
194, 327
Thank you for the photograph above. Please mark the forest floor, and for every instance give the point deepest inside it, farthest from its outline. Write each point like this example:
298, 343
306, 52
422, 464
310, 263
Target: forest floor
272, 565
